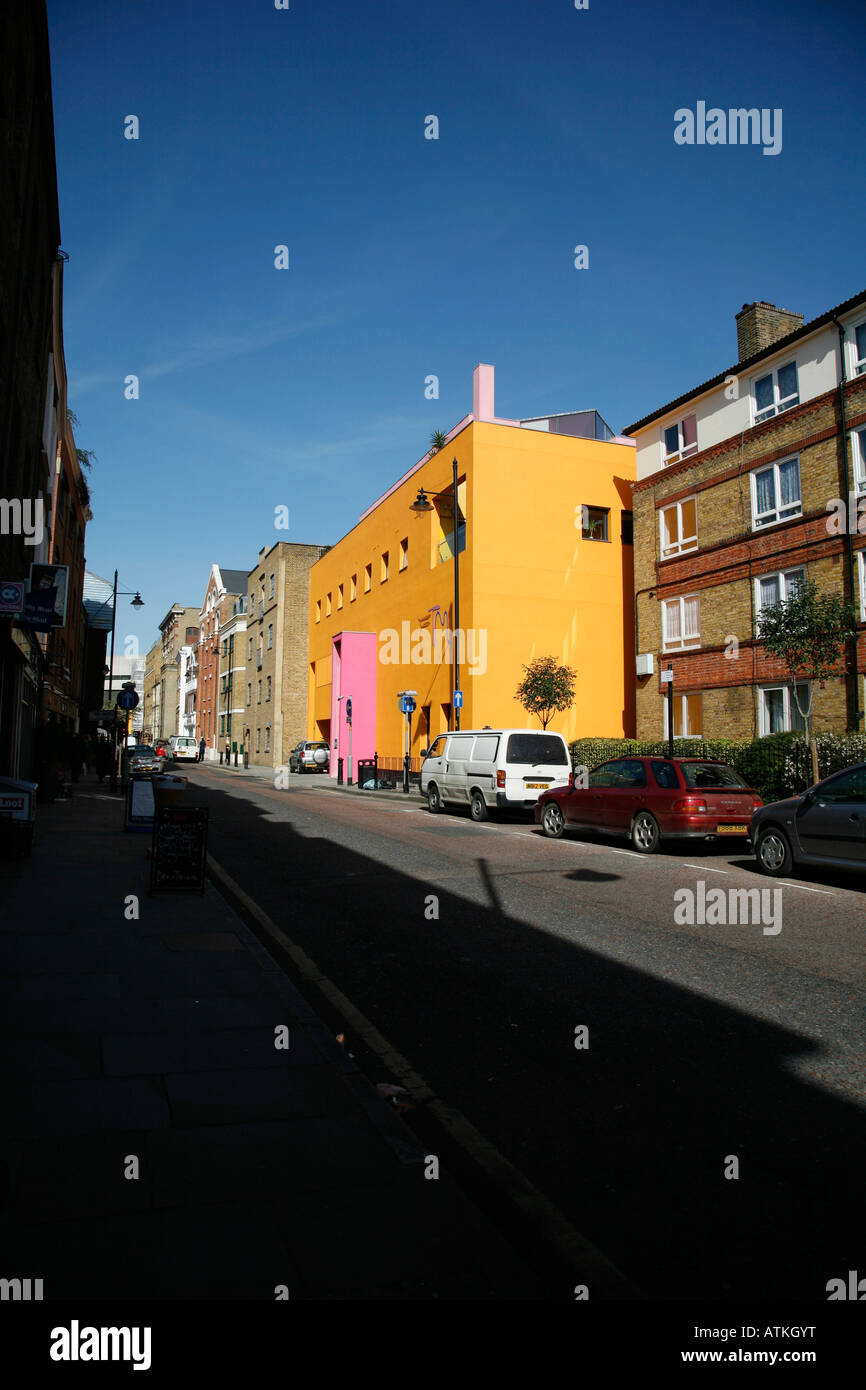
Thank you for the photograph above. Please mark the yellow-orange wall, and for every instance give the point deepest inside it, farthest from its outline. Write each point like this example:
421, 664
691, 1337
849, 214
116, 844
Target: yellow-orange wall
526, 577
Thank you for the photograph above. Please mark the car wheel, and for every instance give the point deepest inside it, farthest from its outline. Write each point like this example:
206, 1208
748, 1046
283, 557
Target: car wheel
645, 833
478, 806
434, 800
553, 821
773, 852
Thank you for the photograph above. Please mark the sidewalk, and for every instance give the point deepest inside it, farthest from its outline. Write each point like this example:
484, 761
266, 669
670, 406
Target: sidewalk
314, 782
156, 1144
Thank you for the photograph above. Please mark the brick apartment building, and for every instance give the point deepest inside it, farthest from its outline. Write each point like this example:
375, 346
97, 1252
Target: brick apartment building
232, 678
739, 482
277, 646
226, 590
32, 414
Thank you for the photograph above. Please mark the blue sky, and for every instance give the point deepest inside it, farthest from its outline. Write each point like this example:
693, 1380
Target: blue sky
408, 256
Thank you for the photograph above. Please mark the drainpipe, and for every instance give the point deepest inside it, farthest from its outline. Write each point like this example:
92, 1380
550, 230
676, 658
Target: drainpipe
848, 494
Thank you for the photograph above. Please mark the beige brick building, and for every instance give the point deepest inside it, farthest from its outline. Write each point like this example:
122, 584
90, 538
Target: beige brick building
278, 605
179, 628
152, 692
739, 487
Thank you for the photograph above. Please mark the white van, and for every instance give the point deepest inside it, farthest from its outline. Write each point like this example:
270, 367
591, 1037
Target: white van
182, 748
490, 768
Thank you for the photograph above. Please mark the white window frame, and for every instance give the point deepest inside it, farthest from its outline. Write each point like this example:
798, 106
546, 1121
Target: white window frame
784, 577
775, 515
780, 403
858, 450
684, 451
788, 701
685, 696
684, 545
680, 644
861, 564
859, 362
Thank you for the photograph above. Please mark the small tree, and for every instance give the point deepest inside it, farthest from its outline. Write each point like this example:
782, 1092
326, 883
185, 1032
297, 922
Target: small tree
546, 689
808, 631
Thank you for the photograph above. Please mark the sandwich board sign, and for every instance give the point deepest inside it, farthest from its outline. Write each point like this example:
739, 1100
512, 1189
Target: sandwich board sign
139, 804
179, 852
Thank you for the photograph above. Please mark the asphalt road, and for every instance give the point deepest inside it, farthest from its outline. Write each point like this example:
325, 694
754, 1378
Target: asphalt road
706, 1043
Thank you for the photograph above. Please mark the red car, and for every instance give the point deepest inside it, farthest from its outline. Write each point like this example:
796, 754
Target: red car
653, 799
161, 747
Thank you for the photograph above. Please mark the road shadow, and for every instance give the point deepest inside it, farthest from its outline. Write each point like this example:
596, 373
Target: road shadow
633, 1135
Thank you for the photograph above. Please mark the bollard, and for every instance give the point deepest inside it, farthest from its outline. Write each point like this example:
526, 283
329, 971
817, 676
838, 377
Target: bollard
406, 773
246, 756
221, 758
339, 772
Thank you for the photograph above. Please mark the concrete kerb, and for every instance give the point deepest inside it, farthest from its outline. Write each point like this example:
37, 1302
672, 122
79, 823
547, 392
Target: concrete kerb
320, 783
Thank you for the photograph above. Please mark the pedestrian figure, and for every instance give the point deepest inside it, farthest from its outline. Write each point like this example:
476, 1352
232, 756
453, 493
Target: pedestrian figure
202, 746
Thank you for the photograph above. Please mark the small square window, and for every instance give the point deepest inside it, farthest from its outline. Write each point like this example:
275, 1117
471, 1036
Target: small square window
353, 588
368, 578
339, 597
318, 612
404, 553
681, 439
328, 606
595, 523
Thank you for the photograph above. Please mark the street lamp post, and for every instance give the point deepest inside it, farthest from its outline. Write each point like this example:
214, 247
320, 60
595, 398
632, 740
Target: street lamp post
137, 602
423, 504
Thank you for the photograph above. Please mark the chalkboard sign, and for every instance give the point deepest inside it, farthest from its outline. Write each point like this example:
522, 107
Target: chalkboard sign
139, 804
179, 854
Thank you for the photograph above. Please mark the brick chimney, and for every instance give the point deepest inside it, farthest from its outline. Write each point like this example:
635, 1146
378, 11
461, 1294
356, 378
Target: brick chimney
759, 325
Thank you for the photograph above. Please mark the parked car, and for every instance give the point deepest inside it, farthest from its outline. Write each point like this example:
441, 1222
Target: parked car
183, 748
141, 758
161, 747
310, 756
653, 799
826, 825
493, 768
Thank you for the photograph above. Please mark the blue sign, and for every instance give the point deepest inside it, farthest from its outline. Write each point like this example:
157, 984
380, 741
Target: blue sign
349, 711
127, 699
457, 702
407, 704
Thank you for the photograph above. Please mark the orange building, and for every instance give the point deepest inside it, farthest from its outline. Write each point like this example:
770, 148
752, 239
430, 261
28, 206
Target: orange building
544, 551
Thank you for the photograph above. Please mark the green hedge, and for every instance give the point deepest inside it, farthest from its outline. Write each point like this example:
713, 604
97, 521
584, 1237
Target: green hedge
777, 766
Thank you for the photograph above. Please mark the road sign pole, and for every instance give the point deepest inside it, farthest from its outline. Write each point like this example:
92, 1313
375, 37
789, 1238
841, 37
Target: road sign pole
670, 683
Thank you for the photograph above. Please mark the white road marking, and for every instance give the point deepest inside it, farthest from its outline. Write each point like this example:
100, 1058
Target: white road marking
808, 890
705, 869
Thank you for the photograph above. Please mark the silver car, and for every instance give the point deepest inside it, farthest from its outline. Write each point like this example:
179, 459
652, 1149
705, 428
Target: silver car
826, 825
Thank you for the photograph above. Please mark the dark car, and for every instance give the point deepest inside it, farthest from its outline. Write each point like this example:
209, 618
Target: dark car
826, 825
652, 799
310, 756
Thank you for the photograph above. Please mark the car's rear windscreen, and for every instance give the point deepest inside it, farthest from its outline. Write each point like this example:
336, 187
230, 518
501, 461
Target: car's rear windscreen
531, 749
711, 775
